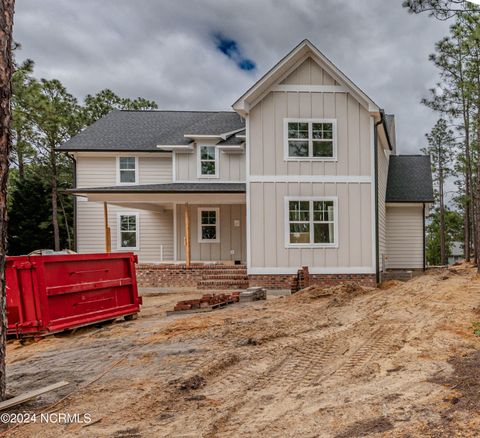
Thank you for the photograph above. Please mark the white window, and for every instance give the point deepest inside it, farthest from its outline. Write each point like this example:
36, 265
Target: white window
127, 170
311, 222
127, 236
208, 225
207, 161
310, 139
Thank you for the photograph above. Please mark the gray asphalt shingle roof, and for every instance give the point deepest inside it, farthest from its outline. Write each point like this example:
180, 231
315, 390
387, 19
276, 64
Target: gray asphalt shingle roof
144, 130
168, 188
409, 179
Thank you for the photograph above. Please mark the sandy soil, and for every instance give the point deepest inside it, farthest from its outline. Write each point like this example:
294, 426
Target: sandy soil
340, 362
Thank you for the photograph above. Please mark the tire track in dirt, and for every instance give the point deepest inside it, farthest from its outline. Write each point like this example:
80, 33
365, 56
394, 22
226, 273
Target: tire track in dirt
302, 367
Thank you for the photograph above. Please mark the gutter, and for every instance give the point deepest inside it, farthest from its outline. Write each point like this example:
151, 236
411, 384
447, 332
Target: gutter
384, 123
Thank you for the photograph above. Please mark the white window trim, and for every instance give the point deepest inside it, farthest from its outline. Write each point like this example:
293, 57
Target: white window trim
119, 183
199, 166
287, 199
137, 231
286, 121
199, 224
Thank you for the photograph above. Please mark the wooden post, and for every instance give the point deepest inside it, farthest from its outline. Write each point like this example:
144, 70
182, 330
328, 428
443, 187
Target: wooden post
187, 236
108, 236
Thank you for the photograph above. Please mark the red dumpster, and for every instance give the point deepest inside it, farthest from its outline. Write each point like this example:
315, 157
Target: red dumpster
48, 294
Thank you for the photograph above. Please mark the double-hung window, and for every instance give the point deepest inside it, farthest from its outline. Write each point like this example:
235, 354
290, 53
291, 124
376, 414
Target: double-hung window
207, 161
128, 231
208, 225
310, 139
127, 170
311, 222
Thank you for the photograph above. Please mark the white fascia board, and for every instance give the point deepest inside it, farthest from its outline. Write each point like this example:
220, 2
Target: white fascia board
311, 178
310, 88
176, 148
203, 136
404, 204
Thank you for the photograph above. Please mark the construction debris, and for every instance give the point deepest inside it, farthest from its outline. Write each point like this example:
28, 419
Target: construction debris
206, 303
209, 302
14, 401
253, 294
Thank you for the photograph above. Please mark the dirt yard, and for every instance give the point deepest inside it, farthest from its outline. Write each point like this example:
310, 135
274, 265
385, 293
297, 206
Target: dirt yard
340, 362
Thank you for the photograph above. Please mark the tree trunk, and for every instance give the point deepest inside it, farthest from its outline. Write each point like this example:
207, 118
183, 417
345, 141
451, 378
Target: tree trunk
443, 258
477, 201
468, 187
6, 25
54, 188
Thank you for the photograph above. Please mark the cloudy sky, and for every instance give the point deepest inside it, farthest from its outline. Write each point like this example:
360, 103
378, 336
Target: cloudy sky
203, 54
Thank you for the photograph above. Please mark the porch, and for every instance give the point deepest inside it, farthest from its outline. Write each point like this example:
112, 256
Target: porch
182, 238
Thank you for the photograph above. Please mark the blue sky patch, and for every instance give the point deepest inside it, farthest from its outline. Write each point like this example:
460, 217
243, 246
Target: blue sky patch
230, 48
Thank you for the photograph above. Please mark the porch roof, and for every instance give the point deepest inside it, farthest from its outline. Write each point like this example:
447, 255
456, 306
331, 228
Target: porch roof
166, 188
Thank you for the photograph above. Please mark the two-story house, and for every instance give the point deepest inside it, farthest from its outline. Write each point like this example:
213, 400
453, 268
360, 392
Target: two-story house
302, 172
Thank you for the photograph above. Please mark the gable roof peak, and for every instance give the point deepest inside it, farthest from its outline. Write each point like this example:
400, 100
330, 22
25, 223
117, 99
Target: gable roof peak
293, 59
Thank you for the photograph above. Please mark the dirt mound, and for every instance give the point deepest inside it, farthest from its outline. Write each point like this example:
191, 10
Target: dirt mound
389, 284
316, 292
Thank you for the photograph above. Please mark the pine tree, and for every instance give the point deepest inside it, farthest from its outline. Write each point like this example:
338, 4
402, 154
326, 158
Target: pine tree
29, 225
6, 68
441, 144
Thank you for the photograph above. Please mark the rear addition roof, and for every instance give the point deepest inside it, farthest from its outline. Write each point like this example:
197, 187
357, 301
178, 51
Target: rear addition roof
409, 179
142, 131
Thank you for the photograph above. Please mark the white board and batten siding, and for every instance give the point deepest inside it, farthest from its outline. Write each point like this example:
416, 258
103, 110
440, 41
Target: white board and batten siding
405, 237
232, 228
348, 178
155, 227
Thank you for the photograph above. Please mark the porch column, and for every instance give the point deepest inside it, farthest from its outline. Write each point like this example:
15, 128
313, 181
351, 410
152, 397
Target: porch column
108, 236
187, 236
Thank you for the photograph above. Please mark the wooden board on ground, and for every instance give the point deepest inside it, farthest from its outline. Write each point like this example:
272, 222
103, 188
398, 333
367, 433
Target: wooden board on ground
30, 395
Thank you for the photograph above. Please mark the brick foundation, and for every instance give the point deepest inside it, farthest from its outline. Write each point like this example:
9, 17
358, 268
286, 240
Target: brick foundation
178, 276
278, 281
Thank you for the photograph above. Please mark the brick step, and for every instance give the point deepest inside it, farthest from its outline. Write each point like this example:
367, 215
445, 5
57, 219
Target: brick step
224, 271
236, 277
222, 284
221, 267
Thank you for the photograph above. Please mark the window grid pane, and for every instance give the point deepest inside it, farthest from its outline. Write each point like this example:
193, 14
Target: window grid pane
128, 231
311, 222
127, 163
310, 139
208, 223
207, 160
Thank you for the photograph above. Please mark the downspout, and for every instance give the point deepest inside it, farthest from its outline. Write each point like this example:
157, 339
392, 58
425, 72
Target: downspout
424, 239
377, 234
74, 162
